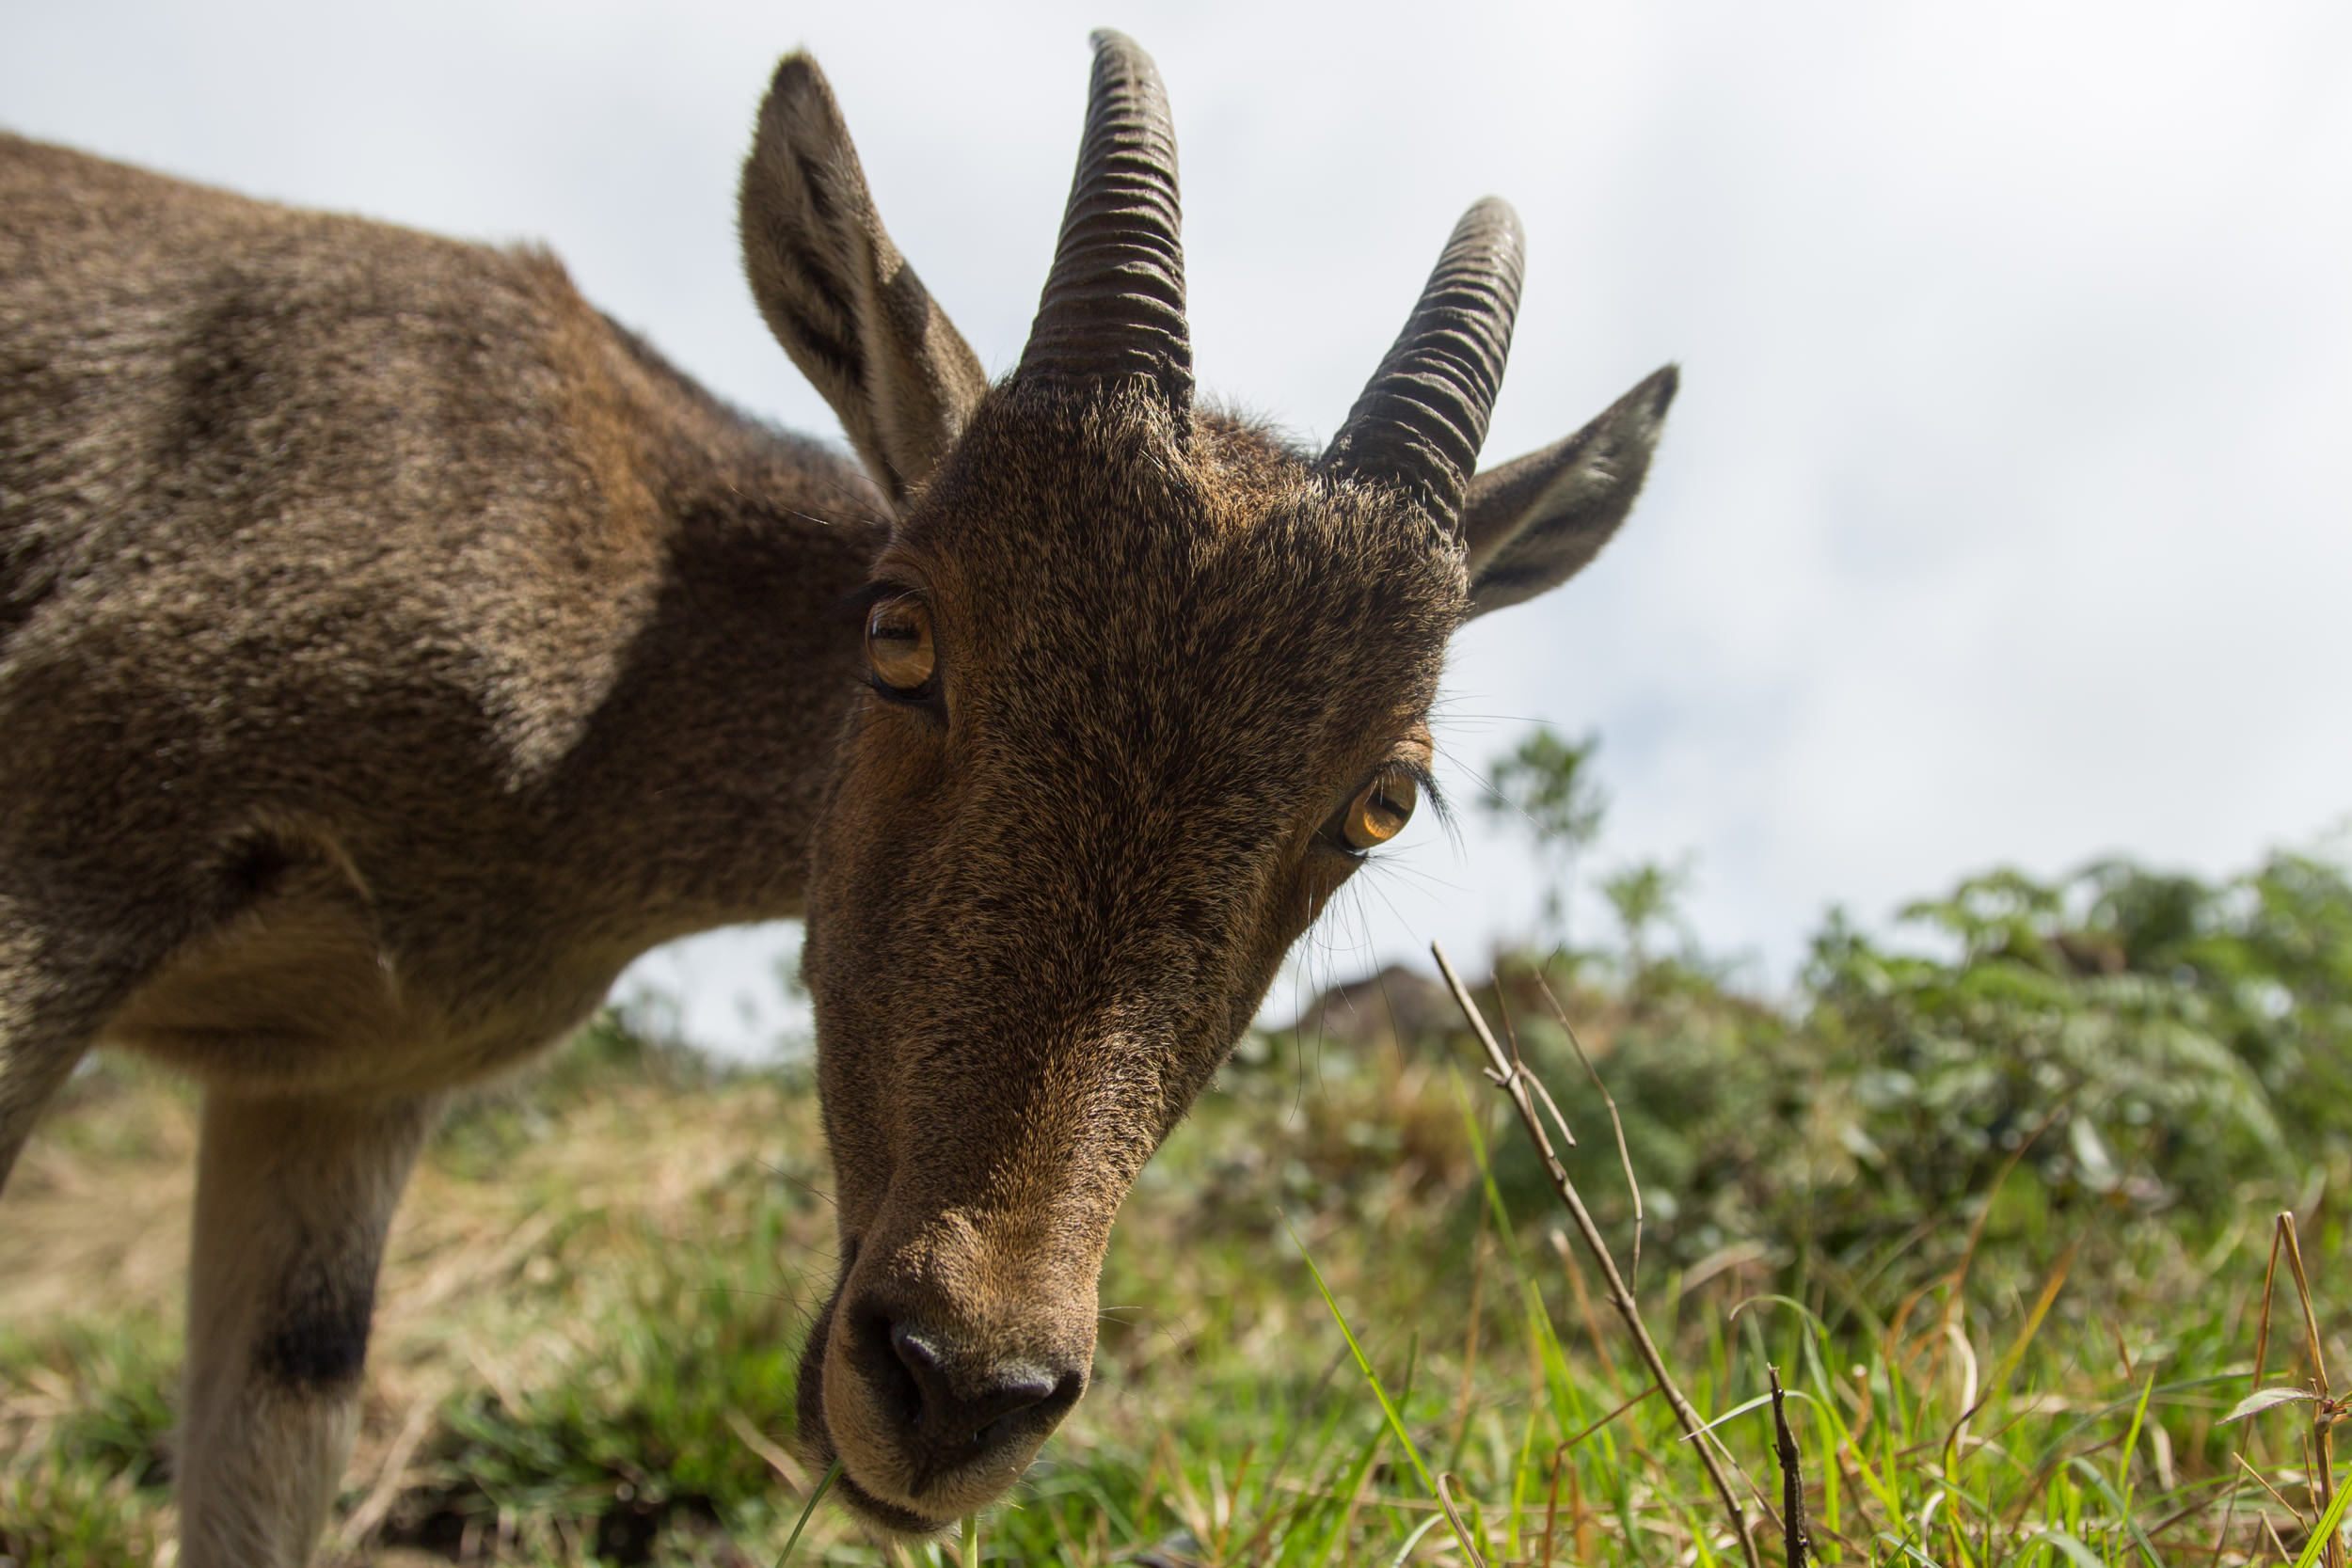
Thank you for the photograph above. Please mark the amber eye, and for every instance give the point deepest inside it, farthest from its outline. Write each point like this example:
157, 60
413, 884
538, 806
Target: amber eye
1380, 809
898, 643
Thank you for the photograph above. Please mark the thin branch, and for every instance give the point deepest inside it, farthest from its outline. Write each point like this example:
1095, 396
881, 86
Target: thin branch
1447, 1480
2323, 1418
1513, 1081
1794, 1534
1625, 1155
2303, 1295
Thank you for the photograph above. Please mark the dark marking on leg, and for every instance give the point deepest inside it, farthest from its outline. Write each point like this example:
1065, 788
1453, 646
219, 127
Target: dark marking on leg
317, 1339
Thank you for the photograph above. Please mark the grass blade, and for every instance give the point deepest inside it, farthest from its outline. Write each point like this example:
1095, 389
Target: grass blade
1363, 1364
833, 1473
2323, 1535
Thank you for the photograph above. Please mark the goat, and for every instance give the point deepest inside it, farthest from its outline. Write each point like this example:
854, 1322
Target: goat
392, 648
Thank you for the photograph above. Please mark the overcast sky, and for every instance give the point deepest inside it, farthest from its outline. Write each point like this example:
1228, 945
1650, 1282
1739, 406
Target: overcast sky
2003, 516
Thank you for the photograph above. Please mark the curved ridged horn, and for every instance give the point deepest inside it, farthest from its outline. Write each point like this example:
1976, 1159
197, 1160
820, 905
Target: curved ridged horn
1114, 304
1423, 416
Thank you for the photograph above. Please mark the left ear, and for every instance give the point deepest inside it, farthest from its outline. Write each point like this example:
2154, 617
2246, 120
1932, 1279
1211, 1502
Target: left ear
1532, 523
839, 298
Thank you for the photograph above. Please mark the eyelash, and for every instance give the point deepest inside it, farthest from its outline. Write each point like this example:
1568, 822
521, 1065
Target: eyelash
1427, 780
856, 605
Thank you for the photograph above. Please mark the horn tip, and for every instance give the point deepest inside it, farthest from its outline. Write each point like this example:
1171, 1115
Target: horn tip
1110, 40
1494, 208
1495, 223
1118, 53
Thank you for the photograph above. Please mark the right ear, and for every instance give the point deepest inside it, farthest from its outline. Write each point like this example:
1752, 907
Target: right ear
1539, 520
838, 296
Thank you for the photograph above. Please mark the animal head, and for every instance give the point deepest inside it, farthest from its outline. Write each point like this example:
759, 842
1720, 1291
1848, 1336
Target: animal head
1147, 684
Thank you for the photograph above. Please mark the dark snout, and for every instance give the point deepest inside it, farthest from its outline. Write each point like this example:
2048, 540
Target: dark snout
938, 1371
953, 1408
954, 1414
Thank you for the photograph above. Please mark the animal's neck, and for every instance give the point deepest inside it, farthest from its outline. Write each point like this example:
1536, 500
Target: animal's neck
690, 798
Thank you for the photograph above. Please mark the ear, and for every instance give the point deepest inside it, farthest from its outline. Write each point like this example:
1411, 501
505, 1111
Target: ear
838, 295
1532, 523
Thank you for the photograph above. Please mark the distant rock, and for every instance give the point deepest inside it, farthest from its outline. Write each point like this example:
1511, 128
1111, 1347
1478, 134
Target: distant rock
1396, 1004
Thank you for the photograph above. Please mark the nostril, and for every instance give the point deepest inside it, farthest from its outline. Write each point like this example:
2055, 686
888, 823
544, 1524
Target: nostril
1065, 1392
897, 1382
914, 1352
1013, 1396
977, 1407
920, 1360
1027, 1401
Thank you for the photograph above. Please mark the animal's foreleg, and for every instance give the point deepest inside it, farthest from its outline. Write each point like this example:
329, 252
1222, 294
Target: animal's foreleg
30, 1073
44, 1029
292, 1198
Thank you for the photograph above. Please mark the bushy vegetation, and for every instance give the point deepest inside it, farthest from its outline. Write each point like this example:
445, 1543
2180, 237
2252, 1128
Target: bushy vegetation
2139, 1047
1995, 1192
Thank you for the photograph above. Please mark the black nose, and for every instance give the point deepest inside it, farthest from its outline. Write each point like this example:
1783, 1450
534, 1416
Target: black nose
948, 1415
952, 1410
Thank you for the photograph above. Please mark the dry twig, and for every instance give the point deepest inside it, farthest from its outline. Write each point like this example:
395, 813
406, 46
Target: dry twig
2325, 1411
1794, 1535
386, 1492
1513, 1080
1447, 1480
1625, 1155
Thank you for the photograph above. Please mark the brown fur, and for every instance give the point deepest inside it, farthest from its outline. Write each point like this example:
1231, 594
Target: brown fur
390, 649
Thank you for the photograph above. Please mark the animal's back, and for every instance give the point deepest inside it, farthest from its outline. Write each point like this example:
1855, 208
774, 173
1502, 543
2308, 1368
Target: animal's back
254, 439
330, 543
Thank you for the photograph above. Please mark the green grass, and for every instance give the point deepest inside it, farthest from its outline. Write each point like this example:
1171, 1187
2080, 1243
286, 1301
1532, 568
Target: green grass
598, 1393
88, 1411
1345, 1291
